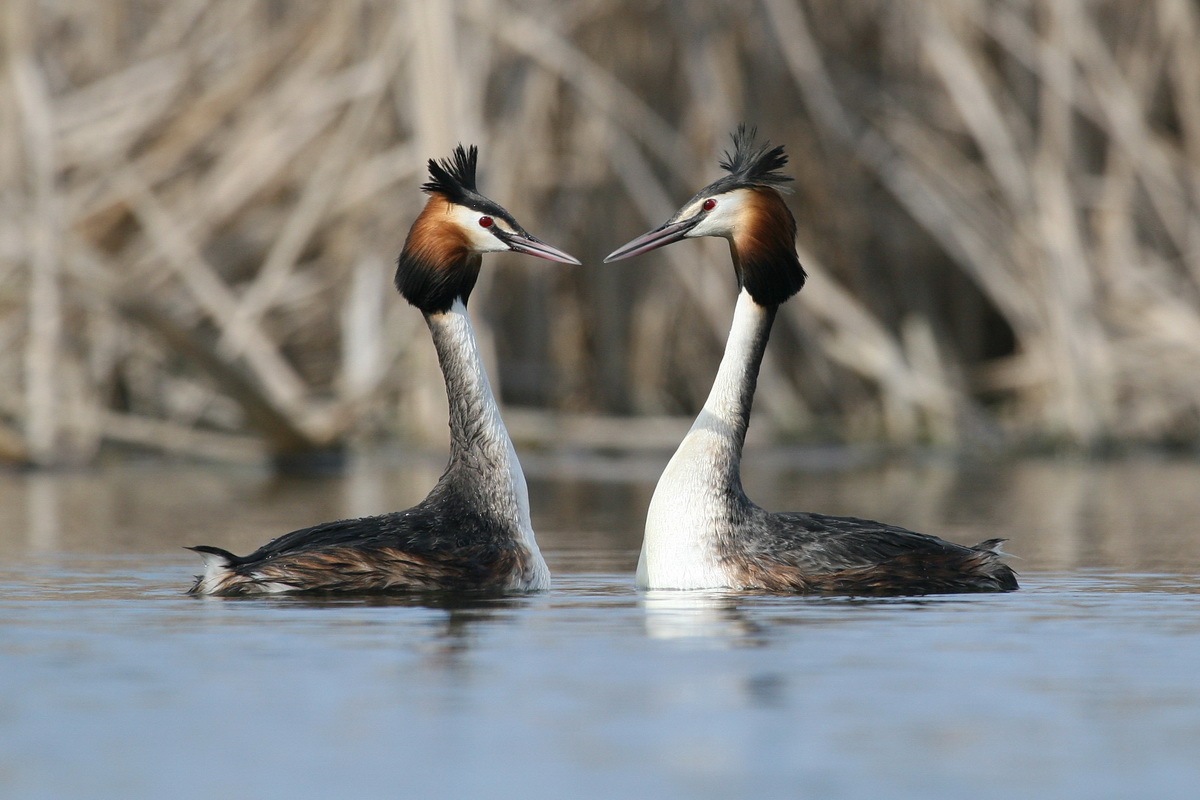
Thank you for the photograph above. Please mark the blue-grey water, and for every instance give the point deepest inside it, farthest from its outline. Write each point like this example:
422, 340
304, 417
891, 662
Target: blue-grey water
1085, 684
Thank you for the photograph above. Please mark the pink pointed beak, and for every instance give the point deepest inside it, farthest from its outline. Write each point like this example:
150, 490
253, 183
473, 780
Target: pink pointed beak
531, 245
659, 237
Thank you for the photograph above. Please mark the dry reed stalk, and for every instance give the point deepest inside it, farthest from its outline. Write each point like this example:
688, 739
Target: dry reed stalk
42, 226
231, 179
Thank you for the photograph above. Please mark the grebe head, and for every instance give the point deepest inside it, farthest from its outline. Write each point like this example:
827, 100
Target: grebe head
440, 261
746, 208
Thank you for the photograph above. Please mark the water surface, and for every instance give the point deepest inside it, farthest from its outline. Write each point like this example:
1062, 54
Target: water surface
1083, 684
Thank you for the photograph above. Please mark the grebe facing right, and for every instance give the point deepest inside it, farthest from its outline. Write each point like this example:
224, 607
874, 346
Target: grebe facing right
473, 531
701, 529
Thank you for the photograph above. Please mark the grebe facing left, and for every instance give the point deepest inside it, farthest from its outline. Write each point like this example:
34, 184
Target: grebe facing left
473, 531
701, 529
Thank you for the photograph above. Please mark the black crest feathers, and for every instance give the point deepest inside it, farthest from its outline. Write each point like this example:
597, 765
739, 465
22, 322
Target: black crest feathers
752, 164
454, 177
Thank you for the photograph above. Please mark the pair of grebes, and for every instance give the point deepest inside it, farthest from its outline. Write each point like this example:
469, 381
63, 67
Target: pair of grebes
473, 531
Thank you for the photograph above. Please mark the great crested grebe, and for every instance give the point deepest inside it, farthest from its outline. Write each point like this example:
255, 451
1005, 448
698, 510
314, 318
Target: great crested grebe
473, 531
701, 529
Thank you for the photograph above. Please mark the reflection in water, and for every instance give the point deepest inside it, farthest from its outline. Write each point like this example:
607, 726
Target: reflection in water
451, 635
698, 613
433, 637
467, 606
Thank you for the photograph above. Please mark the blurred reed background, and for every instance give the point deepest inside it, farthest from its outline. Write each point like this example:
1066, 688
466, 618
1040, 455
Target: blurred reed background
202, 199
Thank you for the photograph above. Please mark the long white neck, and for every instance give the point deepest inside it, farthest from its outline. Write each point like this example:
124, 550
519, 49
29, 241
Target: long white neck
699, 495
483, 468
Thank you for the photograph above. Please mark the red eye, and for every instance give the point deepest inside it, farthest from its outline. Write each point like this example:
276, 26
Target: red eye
486, 222
709, 204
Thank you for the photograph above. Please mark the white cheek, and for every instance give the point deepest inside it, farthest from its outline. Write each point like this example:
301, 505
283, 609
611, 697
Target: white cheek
722, 220
480, 238
484, 242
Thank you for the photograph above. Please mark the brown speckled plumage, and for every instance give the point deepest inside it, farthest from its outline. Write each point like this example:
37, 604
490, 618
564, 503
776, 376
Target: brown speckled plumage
380, 570
821, 554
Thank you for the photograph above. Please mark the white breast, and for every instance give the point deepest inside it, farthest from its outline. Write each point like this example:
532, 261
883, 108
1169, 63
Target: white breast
690, 503
678, 551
